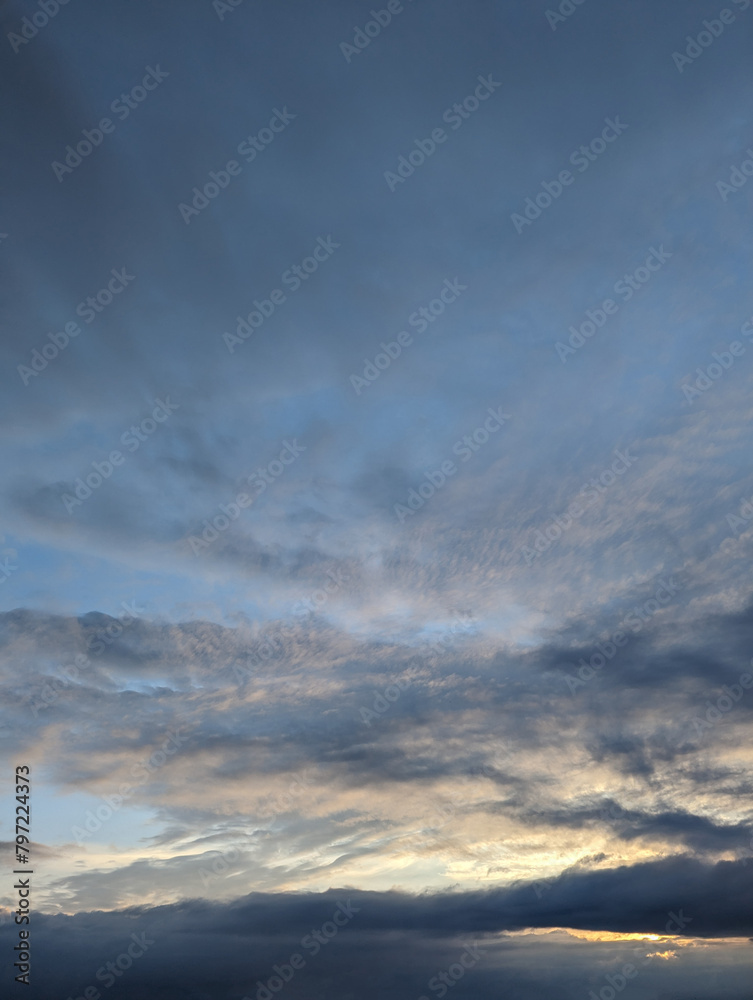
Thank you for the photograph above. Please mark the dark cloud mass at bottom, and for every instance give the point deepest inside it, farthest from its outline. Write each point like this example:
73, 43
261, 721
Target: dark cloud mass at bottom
390, 942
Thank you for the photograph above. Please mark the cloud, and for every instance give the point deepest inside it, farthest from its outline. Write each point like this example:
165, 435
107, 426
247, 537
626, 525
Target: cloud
417, 757
319, 738
394, 941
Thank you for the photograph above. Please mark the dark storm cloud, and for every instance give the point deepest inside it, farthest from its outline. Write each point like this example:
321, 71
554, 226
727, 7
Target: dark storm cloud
696, 832
631, 899
391, 941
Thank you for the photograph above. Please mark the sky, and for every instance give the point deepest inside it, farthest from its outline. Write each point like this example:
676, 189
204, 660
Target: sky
377, 507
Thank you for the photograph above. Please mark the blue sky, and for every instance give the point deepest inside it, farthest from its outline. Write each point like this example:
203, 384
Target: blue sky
266, 640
